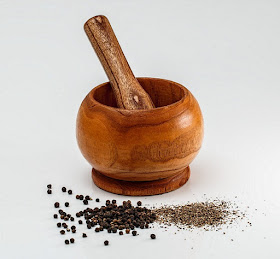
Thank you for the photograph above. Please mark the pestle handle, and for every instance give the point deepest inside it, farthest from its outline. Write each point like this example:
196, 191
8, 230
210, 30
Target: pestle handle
128, 92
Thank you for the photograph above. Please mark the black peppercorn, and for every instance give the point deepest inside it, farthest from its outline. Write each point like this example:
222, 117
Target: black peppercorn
134, 232
139, 203
68, 230
49, 191
127, 231
66, 204
66, 242
66, 218
114, 230
114, 201
55, 216
120, 233
63, 189
97, 229
84, 235
97, 200
72, 240
70, 192
73, 231
62, 232
62, 216
73, 227
58, 225
89, 226
153, 236
77, 197
109, 230
81, 197
80, 222
106, 242
85, 202
56, 205
49, 186
72, 219
78, 215
87, 198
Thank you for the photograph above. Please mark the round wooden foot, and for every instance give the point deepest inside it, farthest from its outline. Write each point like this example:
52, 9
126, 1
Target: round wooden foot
141, 188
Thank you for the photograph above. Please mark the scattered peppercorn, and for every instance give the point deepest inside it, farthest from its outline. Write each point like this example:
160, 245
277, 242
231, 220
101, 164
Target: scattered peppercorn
66, 241
73, 231
81, 197
127, 231
139, 203
89, 226
85, 202
49, 191
70, 192
55, 216
77, 197
134, 232
80, 222
153, 236
120, 233
66, 204
56, 205
97, 229
63, 189
84, 235
68, 230
72, 240
62, 232
97, 200
106, 242
87, 198
58, 225
114, 202
49, 186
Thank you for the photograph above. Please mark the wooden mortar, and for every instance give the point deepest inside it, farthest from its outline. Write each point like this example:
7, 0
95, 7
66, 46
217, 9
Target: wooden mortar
145, 147
140, 152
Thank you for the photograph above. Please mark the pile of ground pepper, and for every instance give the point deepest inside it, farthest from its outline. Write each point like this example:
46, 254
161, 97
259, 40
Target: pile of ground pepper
207, 214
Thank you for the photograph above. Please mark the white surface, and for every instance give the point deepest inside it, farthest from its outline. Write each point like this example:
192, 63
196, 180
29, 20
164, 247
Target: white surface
225, 52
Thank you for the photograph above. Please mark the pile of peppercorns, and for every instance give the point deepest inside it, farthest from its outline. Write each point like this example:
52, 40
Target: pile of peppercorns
111, 217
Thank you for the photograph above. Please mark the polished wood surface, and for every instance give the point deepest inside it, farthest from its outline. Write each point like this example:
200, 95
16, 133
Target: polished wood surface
128, 92
140, 145
141, 188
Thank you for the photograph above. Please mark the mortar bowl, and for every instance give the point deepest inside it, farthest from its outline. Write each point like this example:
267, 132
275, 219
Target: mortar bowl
140, 152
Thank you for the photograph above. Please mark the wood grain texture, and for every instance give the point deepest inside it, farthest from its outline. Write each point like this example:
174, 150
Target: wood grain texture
140, 145
141, 188
129, 93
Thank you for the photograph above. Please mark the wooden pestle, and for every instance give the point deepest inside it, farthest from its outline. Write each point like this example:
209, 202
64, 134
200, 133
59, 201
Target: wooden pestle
128, 92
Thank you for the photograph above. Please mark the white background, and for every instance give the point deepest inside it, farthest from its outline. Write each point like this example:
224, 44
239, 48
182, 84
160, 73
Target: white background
225, 52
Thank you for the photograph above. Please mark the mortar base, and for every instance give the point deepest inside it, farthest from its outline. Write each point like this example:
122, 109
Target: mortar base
141, 188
